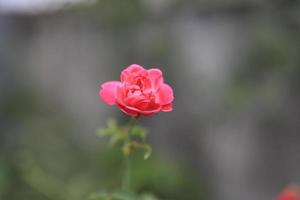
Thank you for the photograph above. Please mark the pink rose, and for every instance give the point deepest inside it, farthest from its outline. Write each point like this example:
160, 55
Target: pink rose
140, 92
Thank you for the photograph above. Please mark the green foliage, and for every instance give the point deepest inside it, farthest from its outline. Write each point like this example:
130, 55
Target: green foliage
161, 177
129, 147
49, 163
132, 137
112, 130
158, 175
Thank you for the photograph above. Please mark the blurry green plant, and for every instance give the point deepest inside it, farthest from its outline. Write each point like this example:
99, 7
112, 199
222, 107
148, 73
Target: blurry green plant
131, 137
58, 168
49, 163
162, 178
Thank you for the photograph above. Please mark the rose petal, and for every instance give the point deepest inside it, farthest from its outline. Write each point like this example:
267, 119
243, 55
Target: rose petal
150, 109
134, 111
148, 106
130, 72
167, 108
120, 94
165, 94
134, 100
128, 111
108, 91
156, 77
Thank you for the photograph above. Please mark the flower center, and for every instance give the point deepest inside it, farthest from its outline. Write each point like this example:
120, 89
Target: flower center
141, 87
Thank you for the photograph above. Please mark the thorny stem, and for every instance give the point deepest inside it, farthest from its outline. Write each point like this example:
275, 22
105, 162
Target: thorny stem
127, 172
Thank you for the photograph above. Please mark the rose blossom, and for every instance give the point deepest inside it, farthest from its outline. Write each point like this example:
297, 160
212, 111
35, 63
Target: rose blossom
140, 92
290, 193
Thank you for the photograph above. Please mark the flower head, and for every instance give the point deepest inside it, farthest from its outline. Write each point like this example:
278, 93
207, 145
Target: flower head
140, 92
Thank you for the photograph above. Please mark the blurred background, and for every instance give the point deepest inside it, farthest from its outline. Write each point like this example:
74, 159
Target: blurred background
234, 65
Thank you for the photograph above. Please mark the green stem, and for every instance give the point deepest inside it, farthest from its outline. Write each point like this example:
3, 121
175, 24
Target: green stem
127, 172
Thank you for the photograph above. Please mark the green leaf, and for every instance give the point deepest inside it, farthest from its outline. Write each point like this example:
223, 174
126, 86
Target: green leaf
116, 133
117, 138
148, 151
111, 128
139, 132
129, 147
132, 137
